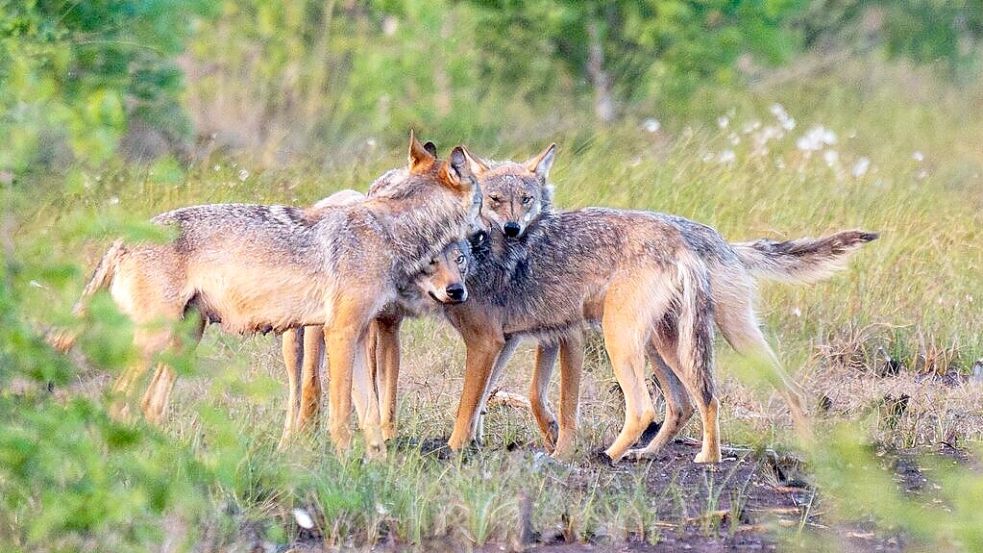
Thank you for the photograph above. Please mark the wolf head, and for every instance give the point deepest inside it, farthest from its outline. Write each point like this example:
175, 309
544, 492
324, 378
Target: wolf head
514, 194
443, 279
453, 173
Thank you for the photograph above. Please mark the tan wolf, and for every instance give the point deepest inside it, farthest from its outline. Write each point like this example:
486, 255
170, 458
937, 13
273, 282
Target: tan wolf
443, 282
303, 347
656, 283
255, 268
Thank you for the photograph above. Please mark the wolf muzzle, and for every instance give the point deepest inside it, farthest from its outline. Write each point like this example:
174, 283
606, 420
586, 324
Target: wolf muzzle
457, 293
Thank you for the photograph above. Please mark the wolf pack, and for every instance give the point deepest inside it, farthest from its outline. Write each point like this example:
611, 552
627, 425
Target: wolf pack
480, 244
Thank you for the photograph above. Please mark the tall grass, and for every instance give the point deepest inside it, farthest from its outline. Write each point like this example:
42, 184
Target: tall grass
909, 168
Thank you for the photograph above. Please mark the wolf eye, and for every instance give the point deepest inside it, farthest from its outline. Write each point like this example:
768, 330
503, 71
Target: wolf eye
461, 259
495, 199
526, 200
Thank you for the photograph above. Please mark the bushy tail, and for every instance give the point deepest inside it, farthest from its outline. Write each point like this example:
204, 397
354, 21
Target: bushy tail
803, 260
695, 328
62, 339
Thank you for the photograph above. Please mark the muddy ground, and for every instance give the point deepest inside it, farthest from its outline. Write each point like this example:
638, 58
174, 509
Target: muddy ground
764, 501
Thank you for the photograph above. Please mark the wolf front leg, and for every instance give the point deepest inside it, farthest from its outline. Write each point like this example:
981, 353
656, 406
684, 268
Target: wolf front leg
482, 350
310, 377
292, 352
496, 376
345, 337
546, 355
571, 369
386, 361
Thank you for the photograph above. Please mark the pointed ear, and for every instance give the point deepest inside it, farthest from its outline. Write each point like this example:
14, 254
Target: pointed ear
430, 147
456, 171
420, 158
478, 165
540, 165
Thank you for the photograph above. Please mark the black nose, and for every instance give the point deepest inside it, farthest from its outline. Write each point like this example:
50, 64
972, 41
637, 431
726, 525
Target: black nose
456, 292
512, 229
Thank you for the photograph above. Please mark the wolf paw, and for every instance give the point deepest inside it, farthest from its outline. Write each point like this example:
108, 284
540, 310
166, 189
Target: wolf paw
641, 454
705, 457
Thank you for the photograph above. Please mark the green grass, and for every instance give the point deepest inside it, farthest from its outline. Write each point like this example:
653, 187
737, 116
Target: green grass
916, 294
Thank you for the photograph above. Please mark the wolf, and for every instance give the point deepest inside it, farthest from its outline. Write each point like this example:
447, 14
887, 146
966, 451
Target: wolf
442, 280
658, 285
255, 268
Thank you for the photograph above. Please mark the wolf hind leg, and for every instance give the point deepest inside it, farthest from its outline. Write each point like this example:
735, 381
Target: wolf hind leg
629, 312
679, 408
148, 342
694, 348
157, 397
739, 326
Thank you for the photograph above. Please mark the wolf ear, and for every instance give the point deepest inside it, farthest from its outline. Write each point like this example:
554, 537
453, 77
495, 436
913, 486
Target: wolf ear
420, 158
430, 147
540, 165
456, 171
478, 165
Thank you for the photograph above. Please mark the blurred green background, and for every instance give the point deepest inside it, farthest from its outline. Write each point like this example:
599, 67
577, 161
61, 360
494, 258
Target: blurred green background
83, 81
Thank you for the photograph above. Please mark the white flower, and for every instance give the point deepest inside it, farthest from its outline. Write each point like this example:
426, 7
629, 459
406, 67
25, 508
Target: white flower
243, 175
390, 25
782, 117
734, 138
708, 157
815, 139
831, 157
727, 157
114, 200
860, 167
381, 509
796, 311
371, 143
217, 167
303, 519
918, 156
723, 121
651, 125
751, 127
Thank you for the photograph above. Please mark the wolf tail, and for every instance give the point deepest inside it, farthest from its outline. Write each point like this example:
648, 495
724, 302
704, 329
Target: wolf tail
696, 326
63, 340
803, 260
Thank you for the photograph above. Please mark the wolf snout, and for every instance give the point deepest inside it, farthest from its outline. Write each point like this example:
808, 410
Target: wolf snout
512, 229
457, 293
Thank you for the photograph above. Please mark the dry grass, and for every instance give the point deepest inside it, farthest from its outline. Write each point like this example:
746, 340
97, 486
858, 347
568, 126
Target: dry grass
912, 296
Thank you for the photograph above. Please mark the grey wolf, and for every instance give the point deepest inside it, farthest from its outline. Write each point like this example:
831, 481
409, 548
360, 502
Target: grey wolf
443, 282
303, 348
255, 268
655, 283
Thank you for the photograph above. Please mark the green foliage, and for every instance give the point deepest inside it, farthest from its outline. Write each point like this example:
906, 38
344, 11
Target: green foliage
934, 30
654, 52
75, 75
